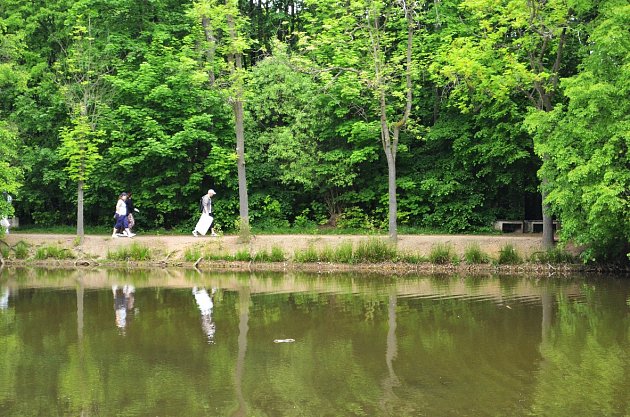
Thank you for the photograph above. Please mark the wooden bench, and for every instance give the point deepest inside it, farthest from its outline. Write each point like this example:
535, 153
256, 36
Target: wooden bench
509, 226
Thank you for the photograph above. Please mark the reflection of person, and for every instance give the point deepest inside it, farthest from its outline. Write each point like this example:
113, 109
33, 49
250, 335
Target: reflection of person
123, 301
206, 220
205, 304
4, 299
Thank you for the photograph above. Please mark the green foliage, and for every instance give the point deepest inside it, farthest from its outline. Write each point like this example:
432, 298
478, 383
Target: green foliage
276, 255
373, 251
133, 252
553, 256
474, 255
309, 254
192, 254
442, 253
508, 255
585, 144
491, 106
243, 255
21, 250
79, 146
54, 252
355, 218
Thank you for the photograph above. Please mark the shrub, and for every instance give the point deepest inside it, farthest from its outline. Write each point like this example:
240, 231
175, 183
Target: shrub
135, 252
474, 255
277, 254
192, 254
413, 258
509, 256
243, 255
442, 254
553, 256
52, 251
343, 253
354, 218
307, 255
21, 250
374, 250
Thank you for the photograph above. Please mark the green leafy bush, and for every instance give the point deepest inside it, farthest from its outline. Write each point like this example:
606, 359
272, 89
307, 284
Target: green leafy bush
54, 252
474, 255
553, 256
192, 254
374, 250
508, 255
21, 250
135, 252
442, 253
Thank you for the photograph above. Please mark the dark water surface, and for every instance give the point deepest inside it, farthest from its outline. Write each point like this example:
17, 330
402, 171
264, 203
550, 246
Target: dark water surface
182, 343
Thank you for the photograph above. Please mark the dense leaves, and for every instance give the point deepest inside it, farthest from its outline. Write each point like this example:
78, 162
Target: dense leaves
505, 94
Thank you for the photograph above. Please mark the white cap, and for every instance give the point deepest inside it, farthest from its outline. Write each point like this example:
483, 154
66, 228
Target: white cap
211, 191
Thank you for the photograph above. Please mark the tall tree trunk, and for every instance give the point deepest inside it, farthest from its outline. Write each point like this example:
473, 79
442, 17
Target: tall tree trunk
237, 106
548, 240
242, 178
391, 194
80, 231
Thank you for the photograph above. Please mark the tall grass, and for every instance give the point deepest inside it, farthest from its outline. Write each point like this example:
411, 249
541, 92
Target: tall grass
508, 255
374, 251
54, 252
553, 256
443, 253
369, 251
276, 255
21, 250
192, 254
474, 255
134, 252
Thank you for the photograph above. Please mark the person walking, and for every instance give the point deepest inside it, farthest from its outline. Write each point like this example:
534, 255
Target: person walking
206, 220
121, 217
130, 210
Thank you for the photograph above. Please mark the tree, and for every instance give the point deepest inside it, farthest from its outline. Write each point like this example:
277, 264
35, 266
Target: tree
585, 142
222, 28
366, 42
84, 88
12, 83
513, 51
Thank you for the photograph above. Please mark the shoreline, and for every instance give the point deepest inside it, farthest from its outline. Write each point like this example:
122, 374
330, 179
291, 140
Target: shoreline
169, 252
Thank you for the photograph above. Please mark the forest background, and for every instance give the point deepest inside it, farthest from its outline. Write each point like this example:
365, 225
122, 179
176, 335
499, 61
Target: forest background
506, 99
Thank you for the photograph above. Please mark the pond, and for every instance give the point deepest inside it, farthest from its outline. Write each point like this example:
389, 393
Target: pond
185, 343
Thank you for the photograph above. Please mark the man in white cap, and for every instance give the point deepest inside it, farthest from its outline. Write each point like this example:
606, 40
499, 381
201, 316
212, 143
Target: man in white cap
206, 221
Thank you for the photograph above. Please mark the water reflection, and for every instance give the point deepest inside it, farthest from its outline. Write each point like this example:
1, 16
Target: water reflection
377, 346
124, 297
205, 304
4, 299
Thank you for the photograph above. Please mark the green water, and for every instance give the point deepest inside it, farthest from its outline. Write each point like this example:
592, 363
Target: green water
182, 343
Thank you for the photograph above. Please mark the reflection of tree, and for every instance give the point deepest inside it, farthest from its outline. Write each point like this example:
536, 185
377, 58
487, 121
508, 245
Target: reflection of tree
586, 362
391, 380
243, 328
10, 352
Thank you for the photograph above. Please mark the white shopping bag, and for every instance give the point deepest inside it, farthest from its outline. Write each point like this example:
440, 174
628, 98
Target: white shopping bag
204, 223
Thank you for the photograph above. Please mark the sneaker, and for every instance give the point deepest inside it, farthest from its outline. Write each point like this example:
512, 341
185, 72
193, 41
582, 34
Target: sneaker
114, 235
130, 234
195, 234
213, 234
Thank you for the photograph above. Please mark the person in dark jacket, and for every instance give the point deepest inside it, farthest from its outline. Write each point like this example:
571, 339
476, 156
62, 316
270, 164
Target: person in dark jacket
130, 210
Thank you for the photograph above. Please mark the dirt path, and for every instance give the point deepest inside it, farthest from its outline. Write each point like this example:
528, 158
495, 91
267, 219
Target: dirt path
174, 247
